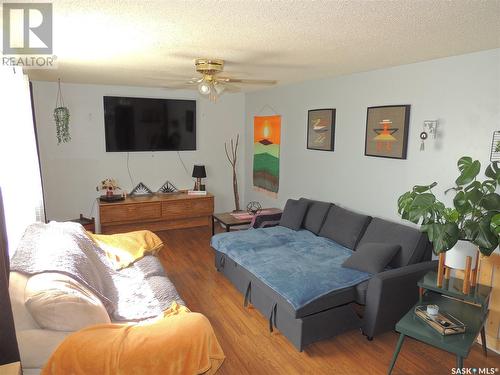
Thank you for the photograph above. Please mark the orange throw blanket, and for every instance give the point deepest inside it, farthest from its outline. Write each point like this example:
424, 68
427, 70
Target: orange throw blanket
182, 342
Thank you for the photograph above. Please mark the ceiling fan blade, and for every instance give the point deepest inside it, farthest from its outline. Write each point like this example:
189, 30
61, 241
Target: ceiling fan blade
195, 80
185, 86
247, 81
167, 82
230, 88
172, 79
178, 85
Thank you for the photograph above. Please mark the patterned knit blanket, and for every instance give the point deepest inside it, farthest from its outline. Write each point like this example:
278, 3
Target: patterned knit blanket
135, 293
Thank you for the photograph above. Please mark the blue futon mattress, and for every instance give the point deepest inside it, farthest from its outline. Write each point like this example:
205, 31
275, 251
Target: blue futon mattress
298, 265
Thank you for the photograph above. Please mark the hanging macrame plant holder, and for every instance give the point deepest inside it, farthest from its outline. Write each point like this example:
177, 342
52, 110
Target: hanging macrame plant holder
61, 117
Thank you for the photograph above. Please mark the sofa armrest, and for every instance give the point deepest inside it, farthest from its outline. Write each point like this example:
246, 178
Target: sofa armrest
390, 295
37, 345
266, 220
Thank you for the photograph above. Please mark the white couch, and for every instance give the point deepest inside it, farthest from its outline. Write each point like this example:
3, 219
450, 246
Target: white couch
49, 305
76, 307
35, 344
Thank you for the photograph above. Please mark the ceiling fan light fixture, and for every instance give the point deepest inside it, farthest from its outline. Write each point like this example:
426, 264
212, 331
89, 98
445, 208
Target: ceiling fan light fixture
211, 85
213, 95
219, 88
204, 88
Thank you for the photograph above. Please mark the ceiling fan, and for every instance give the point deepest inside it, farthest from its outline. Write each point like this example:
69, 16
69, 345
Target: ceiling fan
212, 85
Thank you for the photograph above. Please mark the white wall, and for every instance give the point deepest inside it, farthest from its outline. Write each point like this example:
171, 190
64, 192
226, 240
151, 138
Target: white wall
72, 171
462, 92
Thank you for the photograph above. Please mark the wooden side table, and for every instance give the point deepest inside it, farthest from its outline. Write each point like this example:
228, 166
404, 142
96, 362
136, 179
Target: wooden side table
227, 220
87, 223
471, 309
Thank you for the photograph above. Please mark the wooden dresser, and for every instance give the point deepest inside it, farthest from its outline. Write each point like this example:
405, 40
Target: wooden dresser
156, 212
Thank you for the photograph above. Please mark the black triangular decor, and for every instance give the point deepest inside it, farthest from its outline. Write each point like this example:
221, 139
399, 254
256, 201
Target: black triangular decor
167, 187
141, 189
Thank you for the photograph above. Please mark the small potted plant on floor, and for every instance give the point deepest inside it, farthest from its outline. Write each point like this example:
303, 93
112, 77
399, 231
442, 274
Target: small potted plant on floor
473, 221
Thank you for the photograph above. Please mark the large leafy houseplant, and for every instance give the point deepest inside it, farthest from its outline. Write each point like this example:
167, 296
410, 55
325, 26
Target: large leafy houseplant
474, 217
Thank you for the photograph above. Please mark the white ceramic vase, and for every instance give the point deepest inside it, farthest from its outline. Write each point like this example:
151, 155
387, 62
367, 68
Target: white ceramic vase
455, 257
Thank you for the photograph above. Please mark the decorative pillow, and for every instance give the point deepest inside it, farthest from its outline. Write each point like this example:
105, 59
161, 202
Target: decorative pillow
60, 303
293, 214
372, 257
315, 215
344, 227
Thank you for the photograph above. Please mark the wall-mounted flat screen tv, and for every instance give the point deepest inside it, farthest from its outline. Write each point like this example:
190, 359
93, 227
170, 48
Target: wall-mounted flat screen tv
144, 124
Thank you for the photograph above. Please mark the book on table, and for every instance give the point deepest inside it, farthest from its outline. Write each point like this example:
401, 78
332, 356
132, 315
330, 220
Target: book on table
197, 192
443, 323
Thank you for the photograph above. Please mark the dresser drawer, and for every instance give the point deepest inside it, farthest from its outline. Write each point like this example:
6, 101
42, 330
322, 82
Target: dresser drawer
187, 208
130, 212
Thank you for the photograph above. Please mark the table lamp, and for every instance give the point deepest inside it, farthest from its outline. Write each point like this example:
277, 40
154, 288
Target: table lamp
199, 173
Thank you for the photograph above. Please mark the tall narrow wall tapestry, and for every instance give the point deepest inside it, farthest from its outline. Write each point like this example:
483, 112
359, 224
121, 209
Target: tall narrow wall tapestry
266, 154
387, 131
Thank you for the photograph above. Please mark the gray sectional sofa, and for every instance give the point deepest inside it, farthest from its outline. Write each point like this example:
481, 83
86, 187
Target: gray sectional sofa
305, 274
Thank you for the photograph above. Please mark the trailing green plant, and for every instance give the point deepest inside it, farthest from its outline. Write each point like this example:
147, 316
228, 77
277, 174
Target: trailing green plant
61, 118
474, 217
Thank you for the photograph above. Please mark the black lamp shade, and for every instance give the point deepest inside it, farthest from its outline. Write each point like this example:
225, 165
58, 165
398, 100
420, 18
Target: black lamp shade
199, 171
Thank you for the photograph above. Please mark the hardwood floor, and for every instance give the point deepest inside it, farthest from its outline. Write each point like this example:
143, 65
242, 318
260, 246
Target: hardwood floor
249, 347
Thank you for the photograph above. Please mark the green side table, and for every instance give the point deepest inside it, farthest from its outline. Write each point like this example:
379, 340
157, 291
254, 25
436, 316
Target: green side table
471, 309
478, 295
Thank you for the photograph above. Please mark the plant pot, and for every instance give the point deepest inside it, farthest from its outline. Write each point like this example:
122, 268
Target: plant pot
456, 256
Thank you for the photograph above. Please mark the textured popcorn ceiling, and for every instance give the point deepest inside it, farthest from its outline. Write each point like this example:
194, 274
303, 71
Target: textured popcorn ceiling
153, 43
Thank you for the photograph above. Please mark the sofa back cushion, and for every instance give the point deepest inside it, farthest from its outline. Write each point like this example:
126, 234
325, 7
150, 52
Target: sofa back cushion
344, 227
293, 213
315, 215
414, 244
60, 303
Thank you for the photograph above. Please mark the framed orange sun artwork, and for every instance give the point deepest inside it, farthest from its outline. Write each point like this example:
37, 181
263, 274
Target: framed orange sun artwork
387, 131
